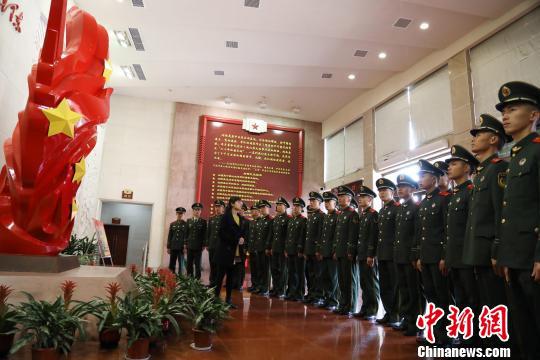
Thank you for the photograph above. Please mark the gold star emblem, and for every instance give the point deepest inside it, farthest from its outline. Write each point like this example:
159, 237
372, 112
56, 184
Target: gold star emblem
80, 170
453, 150
62, 119
107, 71
74, 209
381, 181
505, 91
481, 120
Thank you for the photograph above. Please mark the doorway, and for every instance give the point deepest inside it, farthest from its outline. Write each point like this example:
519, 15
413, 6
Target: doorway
128, 239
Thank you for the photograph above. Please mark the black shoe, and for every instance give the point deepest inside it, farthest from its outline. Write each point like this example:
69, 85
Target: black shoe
360, 315
322, 304
251, 289
307, 301
264, 293
337, 310
383, 320
282, 297
410, 332
399, 326
331, 307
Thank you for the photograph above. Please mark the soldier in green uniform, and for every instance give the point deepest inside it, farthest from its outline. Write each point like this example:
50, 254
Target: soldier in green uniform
313, 235
432, 218
195, 239
324, 249
485, 206
175, 240
444, 182
276, 246
404, 247
461, 165
345, 243
519, 250
251, 239
212, 238
368, 231
264, 232
385, 252
294, 248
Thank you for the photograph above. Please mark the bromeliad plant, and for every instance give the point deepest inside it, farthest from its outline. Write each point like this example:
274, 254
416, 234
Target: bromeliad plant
7, 312
108, 309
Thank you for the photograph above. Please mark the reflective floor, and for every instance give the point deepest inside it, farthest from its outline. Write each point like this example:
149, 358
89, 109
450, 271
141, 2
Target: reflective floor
264, 328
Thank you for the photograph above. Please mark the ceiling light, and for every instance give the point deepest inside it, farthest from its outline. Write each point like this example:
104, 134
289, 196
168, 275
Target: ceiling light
382, 55
326, 76
351, 76
296, 109
227, 100
122, 38
128, 72
424, 26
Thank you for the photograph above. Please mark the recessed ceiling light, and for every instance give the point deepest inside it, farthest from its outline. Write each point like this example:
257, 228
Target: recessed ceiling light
122, 38
219, 72
128, 72
326, 76
382, 55
227, 100
424, 26
351, 76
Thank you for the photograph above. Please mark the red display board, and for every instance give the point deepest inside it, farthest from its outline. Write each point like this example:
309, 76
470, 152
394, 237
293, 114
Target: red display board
233, 161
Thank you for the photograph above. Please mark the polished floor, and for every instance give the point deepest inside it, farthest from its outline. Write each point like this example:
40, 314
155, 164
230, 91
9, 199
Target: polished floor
270, 329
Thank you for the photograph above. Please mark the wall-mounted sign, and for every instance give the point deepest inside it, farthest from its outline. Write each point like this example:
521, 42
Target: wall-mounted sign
127, 194
15, 15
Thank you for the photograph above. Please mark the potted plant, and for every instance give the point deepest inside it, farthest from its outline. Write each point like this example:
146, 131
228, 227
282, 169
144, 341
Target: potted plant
206, 313
85, 248
7, 321
48, 326
137, 316
109, 334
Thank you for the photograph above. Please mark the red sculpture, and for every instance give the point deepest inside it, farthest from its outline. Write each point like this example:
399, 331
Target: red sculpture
55, 132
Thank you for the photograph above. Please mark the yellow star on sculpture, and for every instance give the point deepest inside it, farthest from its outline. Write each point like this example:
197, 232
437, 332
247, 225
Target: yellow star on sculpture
62, 119
108, 70
74, 209
80, 170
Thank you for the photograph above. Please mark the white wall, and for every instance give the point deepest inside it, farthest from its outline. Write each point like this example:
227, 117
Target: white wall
136, 155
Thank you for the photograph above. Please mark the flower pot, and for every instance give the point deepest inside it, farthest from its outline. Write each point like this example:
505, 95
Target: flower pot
45, 354
109, 338
158, 345
139, 350
202, 340
6, 341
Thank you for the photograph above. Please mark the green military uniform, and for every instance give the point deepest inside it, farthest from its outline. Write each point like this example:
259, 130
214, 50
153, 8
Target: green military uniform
294, 245
276, 243
519, 246
264, 233
324, 247
212, 239
404, 253
345, 243
195, 239
462, 275
385, 255
432, 219
482, 229
313, 268
175, 242
368, 230
251, 238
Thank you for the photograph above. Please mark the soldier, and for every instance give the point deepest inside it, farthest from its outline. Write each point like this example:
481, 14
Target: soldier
212, 238
175, 241
251, 239
345, 252
404, 247
485, 206
444, 183
432, 218
461, 164
385, 252
240, 269
324, 248
294, 248
313, 234
276, 248
264, 232
195, 239
368, 231
519, 251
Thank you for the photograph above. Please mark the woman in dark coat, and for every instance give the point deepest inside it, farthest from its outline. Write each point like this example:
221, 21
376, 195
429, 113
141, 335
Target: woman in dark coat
231, 238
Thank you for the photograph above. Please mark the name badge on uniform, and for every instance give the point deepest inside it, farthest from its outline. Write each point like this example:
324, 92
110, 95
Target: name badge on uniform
522, 161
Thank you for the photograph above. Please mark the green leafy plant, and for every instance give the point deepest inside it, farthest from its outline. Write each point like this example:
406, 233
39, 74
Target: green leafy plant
7, 312
108, 309
85, 248
137, 316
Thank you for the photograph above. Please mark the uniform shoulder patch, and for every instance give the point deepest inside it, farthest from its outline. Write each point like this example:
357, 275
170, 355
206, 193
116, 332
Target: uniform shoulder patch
496, 160
444, 193
372, 210
536, 140
397, 203
470, 186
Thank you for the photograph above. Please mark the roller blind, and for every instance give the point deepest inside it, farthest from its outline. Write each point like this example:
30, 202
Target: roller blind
354, 147
392, 127
334, 159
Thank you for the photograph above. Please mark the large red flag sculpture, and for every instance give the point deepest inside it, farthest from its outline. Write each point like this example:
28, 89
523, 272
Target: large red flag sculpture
45, 157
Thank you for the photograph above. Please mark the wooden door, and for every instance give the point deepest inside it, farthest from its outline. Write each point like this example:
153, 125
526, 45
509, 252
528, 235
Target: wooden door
117, 236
